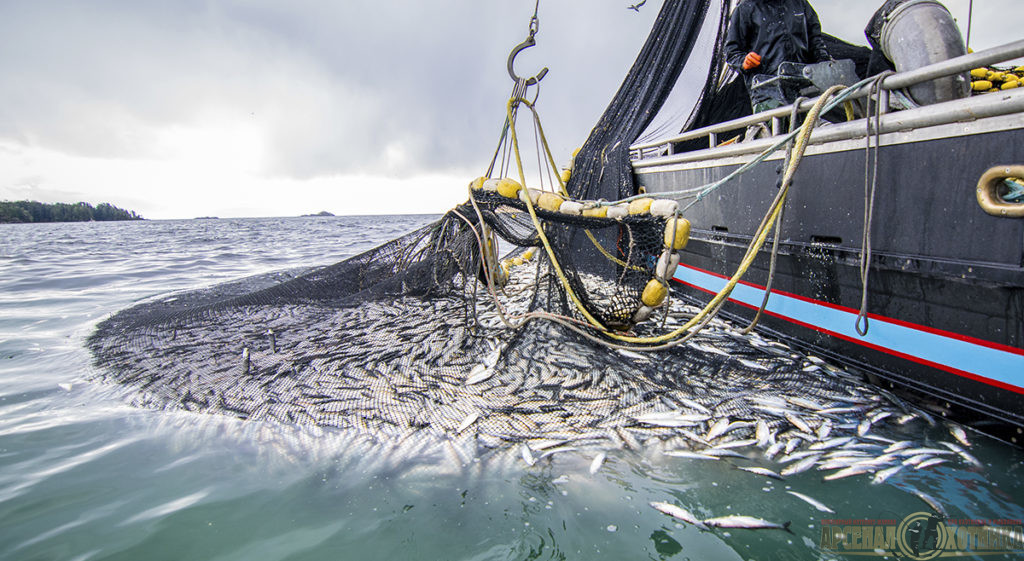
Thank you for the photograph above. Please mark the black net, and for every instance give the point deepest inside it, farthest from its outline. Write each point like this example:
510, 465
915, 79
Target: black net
429, 336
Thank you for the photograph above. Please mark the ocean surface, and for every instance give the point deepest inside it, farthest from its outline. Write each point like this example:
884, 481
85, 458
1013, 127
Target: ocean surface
86, 476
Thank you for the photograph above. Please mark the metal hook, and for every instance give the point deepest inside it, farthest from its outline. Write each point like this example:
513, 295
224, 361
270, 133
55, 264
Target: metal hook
529, 42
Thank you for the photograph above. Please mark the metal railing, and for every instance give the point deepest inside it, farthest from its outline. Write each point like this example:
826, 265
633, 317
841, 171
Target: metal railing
662, 149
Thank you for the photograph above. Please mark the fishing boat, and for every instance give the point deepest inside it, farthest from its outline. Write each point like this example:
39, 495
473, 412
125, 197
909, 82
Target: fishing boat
899, 252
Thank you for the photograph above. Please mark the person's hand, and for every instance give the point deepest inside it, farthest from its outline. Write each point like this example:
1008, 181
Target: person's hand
752, 60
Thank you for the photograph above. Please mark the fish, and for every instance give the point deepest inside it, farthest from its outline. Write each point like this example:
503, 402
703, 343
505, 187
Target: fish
903, 445
798, 423
692, 404
689, 455
735, 444
761, 471
929, 463
805, 403
931, 502
598, 461
528, 455
832, 443
679, 513
763, 433
847, 472
824, 430
469, 420
960, 435
631, 354
801, 466
479, 373
717, 429
904, 419
721, 453
963, 454
813, 502
864, 427
881, 476
745, 522
798, 456
879, 416
929, 451
774, 449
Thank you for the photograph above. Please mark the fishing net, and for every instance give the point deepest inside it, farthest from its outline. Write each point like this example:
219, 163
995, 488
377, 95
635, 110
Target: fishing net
432, 334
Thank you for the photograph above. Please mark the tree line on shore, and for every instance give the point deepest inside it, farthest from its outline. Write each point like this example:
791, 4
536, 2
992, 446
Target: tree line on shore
33, 211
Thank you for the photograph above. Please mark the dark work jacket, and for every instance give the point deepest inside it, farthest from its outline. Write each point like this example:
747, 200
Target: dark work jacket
778, 30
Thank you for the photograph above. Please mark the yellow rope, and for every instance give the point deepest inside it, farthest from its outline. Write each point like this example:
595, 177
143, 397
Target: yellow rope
758, 242
752, 250
533, 214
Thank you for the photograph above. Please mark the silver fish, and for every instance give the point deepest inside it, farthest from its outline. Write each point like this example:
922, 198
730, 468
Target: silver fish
679, 513
774, 449
717, 429
847, 472
761, 471
963, 454
824, 430
720, 453
479, 373
805, 403
831, 443
813, 502
903, 445
528, 455
929, 463
960, 434
881, 476
598, 461
801, 466
745, 522
631, 354
935, 505
469, 420
864, 427
689, 455
798, 423
735, 444
762, 433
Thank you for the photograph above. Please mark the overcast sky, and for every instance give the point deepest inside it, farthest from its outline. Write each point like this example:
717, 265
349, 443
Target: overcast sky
270, 108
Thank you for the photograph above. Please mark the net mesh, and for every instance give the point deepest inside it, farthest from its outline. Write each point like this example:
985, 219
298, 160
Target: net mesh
408, 339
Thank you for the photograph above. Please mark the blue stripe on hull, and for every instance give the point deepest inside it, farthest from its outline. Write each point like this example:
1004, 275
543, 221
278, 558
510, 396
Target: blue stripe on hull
994, 364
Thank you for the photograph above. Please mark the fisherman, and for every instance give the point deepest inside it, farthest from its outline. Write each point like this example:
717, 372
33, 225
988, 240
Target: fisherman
765, 33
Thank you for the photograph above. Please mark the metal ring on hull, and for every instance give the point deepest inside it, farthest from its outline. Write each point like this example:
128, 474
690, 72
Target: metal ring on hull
988, 192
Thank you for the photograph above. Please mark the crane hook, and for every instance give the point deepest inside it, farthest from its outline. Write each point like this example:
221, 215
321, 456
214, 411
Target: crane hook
529, 42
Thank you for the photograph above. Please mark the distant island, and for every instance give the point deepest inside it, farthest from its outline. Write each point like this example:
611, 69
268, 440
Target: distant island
321, 213
18, 212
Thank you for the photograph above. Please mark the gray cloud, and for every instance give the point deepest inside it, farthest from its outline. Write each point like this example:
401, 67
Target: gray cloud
395, 87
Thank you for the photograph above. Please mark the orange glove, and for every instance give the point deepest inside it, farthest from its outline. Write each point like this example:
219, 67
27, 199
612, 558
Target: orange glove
752, 60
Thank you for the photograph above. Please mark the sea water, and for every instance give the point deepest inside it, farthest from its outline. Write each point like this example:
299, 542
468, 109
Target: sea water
83, 475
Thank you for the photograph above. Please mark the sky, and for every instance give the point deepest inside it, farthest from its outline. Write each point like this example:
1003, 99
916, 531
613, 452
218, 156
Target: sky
267, 108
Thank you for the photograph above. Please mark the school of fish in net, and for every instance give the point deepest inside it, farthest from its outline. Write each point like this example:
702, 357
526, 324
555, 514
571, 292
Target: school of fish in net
416, 382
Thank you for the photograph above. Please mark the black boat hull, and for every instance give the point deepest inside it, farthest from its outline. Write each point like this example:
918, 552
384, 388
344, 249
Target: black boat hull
946, 284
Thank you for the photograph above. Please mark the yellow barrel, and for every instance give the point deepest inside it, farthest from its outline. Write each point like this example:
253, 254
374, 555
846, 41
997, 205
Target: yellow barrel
550, 201
508, 187
596, 212
640, 206
681, 228
654, 293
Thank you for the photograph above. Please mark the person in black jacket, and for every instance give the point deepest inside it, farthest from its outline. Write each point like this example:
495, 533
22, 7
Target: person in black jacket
765, 33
